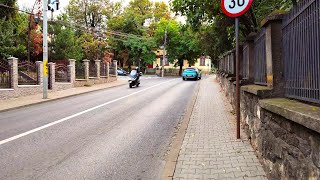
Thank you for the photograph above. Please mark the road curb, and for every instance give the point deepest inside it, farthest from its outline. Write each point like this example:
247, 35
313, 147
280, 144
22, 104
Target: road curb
59, 98
173, 155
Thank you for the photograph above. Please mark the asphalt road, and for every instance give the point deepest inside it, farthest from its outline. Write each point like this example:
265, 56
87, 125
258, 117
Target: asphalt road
117, 133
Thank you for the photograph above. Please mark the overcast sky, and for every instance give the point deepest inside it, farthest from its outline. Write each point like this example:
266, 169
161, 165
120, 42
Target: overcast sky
64, 3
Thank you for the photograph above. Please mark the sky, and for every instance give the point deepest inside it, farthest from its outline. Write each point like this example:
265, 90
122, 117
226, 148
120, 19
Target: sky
64, 3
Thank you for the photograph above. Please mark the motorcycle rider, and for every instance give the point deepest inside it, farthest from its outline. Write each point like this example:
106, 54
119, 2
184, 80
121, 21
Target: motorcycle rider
138, 73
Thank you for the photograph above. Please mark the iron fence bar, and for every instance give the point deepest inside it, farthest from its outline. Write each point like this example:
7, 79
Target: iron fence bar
288, 21
301, 41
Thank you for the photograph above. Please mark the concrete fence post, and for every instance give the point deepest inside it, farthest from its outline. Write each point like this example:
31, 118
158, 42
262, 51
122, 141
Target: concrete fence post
275, 68
52, 75
108, 71
86, 69
250, 61
97, 63
115, 62
72, 70
40, 72
13, 65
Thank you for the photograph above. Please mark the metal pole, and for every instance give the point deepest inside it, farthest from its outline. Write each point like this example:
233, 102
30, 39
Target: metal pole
164, 51
237, 79
45, 49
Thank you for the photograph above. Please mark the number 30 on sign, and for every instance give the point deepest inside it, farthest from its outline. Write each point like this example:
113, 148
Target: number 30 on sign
235, 8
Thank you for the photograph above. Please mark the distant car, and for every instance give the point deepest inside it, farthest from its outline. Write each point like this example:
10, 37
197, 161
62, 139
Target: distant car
122, 72
191, 73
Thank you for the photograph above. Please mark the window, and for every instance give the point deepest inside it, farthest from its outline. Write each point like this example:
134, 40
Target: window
202, 61
166, 62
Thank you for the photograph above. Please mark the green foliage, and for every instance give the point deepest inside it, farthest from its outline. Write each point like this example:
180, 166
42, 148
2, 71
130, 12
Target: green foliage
134, 20
93, 48
182, 42
13, 35
7, 13
65, 45
216, 29
90, 13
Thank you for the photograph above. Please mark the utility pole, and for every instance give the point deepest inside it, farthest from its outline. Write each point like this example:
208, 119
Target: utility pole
45, 49
164, 51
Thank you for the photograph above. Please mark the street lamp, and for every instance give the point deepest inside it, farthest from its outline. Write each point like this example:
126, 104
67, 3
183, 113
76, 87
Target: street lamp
164, 50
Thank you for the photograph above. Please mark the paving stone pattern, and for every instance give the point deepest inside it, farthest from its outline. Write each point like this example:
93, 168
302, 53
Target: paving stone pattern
210, 149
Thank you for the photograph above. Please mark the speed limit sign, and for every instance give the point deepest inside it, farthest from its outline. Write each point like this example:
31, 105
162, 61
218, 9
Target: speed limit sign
235, 8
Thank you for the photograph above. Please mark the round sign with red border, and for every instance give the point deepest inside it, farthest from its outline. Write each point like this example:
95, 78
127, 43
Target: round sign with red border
235, 8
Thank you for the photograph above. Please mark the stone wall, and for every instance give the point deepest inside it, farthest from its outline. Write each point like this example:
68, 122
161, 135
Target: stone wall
284, 133
289, 150
92, 81
20, 91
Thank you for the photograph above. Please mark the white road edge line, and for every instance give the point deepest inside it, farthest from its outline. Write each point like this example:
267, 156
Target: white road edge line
75, 115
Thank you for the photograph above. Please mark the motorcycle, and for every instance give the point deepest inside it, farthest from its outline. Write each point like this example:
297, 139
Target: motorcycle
134, 78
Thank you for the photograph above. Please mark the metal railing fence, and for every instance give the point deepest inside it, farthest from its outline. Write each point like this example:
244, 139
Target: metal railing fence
103, 69
80, 72
92, 69
301, 51
27, 73
260, 63
5, 77
61, 72
245, 62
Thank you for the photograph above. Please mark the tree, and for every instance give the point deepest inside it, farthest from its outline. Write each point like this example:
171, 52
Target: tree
182, 42
90, 13
133, 41
206, 17
93, 48
7, 13
65, 44
13, 36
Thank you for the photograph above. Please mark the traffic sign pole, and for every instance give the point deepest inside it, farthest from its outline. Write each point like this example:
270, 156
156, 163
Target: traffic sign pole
235, 9
237, 79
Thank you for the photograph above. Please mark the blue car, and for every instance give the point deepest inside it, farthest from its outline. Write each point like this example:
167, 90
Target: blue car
191, 73
121, 72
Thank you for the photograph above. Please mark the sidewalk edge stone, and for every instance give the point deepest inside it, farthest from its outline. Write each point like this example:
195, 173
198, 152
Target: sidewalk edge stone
59, 98
173, 155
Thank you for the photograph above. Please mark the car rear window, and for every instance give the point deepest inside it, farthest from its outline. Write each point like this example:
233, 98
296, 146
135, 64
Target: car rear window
190, 69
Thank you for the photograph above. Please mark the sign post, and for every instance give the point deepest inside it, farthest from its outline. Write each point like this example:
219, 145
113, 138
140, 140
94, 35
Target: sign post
234, 9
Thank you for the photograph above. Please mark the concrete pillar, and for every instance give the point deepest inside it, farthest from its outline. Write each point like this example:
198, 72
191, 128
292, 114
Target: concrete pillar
52, 75
108, 70
13, 65
115, 62
72, 70
97, 62
86, 68
250, 44
40, 72
275, 68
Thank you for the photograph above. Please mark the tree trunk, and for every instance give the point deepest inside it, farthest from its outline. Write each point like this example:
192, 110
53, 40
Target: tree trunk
181, 65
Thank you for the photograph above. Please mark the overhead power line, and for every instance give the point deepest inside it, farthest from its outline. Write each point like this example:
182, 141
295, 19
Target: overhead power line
115, 33
9, 7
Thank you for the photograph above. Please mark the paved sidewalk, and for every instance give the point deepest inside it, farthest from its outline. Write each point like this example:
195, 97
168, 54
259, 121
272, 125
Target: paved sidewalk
210, 149
35, 99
